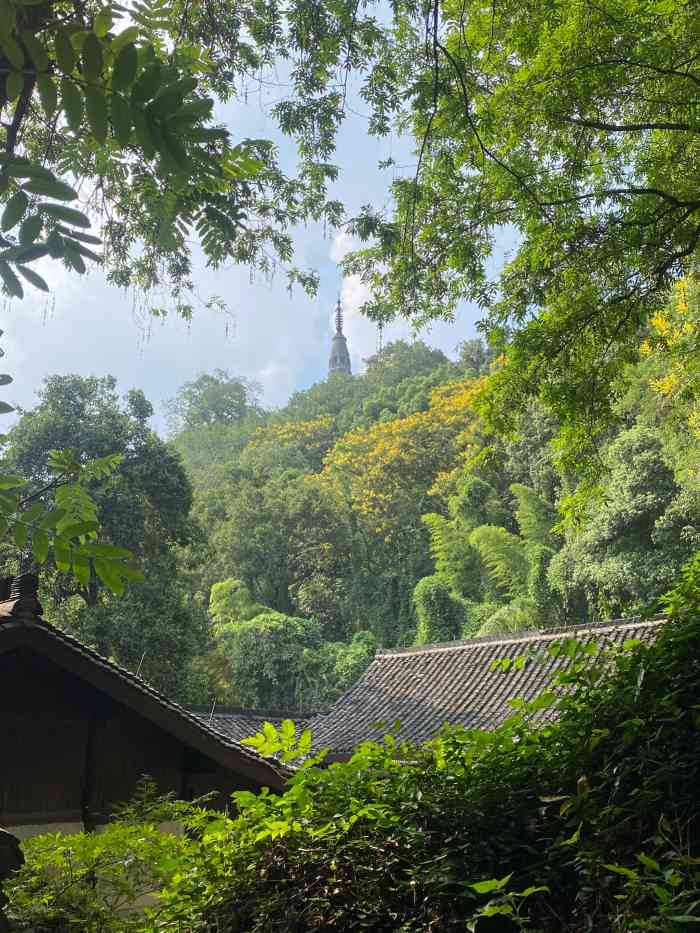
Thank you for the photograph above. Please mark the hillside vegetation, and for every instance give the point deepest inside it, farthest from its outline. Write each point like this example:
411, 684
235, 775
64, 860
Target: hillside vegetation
384, 508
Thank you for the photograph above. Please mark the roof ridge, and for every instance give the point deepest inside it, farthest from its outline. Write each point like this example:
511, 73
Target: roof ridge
249, 710
527, 635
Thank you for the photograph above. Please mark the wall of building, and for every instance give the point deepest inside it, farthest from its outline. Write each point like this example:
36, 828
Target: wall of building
69, 754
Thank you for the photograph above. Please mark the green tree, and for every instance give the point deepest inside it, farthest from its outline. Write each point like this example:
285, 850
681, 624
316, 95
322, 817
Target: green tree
120, 102
230, 603
636, 534
441, 615
213, 398
157, 628
574, 124
268, 657
145, 504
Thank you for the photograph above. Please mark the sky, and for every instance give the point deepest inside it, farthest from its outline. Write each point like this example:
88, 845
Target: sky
281, 341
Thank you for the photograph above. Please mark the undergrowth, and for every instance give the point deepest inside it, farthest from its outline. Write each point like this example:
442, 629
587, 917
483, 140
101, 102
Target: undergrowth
585, 822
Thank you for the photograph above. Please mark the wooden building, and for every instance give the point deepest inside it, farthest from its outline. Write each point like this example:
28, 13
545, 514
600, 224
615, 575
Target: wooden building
77, 731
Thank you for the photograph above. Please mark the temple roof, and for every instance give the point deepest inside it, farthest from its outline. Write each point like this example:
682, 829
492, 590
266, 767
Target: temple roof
23, 628
424, 687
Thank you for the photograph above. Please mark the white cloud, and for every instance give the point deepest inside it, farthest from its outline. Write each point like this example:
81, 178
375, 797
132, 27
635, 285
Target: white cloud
341, 244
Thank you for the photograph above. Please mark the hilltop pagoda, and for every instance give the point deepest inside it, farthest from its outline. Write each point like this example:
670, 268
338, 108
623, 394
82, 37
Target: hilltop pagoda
340, 358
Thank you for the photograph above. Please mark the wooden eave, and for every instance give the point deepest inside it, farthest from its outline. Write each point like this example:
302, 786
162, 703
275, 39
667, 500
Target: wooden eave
133, 693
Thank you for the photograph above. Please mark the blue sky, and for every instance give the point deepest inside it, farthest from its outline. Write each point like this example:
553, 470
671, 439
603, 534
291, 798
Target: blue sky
282, 341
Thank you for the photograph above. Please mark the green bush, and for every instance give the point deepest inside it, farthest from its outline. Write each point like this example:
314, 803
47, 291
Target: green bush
441, 615
586, 823
589, 823
101, 882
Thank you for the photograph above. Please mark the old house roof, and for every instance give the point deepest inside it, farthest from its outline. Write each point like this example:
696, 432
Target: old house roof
240, 723
424, 687
22, 628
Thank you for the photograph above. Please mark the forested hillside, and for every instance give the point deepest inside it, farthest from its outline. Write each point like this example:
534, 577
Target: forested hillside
281, 548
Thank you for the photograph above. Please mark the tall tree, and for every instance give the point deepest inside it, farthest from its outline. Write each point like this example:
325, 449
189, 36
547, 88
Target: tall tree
575, 125
145, 503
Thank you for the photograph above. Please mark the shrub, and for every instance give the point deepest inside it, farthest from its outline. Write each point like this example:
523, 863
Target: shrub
586, 823
441, 615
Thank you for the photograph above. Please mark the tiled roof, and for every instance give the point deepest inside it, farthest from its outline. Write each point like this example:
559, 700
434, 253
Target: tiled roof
21, 625
425, 687
239, 723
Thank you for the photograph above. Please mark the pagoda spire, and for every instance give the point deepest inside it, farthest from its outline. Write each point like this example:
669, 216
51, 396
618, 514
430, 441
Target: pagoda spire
340, 357
339, 317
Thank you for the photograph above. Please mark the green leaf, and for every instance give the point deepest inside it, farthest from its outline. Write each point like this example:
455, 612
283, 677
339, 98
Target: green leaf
125, 68
20, 534
107, 550
14, 288
48, 94
5, 408
77, 235
147, 84
30, 229
22, 168
14, 210
108, 573
143, 133
122, 121
11, 481
72, 101
36, 50
88, 253
13, 51
574, 838
8, 502
40, 545
73, 257
648, 862
14, 85
92, 57
79, 529
68, 214
102, 23
5, 379
52, 518
131, 572
55, 245
30, 515
62, 553
174, 148
96, 107
33, 278
51, 189
534, 889
64, 51
32, 252
493, 884
621, 870
81, 569
130, 34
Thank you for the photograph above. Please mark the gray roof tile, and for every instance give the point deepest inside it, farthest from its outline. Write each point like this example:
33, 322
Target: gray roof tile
425, 687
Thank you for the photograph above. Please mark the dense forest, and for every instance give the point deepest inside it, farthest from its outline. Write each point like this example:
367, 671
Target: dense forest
543, 475
280, 548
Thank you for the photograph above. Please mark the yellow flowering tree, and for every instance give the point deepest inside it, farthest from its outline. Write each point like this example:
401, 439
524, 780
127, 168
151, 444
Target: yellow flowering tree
291, 445
387, 472
672, 347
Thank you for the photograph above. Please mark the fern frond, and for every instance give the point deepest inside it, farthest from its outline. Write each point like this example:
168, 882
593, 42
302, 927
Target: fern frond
535, 516
504, 556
